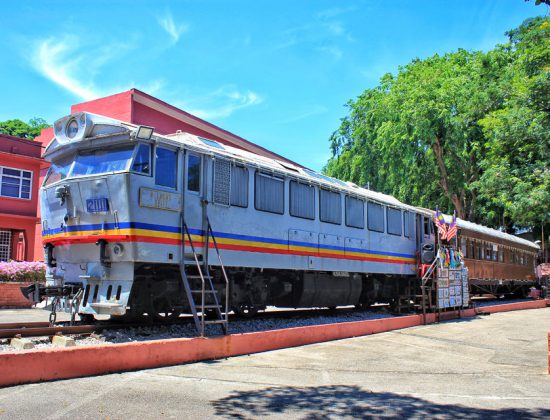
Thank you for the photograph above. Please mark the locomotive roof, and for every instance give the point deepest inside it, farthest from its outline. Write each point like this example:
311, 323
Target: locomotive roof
213, 148
284, 168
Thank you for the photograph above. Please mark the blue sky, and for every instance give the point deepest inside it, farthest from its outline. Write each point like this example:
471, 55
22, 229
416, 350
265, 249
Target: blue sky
277, 73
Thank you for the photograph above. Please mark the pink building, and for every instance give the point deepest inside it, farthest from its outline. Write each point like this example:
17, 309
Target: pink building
20, 167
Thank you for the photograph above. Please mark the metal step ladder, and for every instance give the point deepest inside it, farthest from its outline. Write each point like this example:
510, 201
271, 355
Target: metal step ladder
428, 288
205, 301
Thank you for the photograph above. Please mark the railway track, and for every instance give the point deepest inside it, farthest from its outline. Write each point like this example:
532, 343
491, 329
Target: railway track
43, 329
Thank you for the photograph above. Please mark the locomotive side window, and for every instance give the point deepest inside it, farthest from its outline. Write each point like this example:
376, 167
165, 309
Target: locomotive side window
165, 167
394, 221
330, 207
406, 221
375, 217
239, 186
355, 212
269, 193
193, 173
142, 161
412, 225
426, 226
302, 200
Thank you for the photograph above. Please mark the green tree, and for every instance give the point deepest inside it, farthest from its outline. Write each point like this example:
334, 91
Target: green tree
416, 135
465, 131
19, 128
516, 177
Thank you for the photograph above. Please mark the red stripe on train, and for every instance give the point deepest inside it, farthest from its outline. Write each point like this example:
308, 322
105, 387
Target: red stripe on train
245, 248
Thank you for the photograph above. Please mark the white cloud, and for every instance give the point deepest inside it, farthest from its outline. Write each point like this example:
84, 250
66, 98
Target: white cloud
72, 65
336, 11
310, 112
221, 103
55, 60
336, 28
332, 50
175, 31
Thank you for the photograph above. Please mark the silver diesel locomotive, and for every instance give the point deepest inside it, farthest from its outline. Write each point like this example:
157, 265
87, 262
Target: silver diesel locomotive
137, 223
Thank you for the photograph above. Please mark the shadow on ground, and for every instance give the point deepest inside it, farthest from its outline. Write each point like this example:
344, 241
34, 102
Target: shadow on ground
351, 401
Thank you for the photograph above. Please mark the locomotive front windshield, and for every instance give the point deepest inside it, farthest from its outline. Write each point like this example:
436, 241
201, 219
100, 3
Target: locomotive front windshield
94, 162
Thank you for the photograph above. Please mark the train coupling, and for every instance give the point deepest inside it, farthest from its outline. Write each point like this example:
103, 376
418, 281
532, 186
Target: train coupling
38, 292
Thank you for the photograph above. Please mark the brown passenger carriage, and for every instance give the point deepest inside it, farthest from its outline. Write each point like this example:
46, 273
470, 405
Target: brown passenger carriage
497, 265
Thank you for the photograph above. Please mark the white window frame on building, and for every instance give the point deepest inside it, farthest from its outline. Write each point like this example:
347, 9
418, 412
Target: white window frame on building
5, 245
22, 189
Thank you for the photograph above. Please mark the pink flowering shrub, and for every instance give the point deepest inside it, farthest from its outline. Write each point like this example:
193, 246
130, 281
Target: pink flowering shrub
29, 271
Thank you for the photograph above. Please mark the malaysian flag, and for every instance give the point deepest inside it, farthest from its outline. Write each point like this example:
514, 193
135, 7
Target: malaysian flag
440, 223
452, 228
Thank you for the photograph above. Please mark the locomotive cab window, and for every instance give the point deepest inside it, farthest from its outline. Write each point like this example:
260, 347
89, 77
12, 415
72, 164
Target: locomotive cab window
142, 160
101, 161
269, 193
194, 173
165, 167
330, 207
355, 212
394, 222
302, 200
375, 217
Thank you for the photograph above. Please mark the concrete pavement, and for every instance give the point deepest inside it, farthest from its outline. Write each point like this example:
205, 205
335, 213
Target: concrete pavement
486, 367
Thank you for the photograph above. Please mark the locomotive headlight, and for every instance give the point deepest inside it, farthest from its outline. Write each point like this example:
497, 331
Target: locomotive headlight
71, 129
118, 249
144, 132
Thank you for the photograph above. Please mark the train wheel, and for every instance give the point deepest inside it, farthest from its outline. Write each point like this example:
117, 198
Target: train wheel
86, 318
163, 310
246, 310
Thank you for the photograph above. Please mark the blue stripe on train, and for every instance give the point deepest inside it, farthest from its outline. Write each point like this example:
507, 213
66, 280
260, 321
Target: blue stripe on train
176, 229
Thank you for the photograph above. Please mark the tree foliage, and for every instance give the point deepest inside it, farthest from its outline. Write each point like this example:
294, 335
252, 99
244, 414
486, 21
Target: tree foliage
466, 131
22, 129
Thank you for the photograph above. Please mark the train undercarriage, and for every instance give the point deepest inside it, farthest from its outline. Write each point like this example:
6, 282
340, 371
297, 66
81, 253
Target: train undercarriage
158, 290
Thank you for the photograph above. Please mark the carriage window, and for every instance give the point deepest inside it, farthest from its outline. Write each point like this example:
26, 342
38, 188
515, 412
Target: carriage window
375, 217
302, 200
142, 161
355, 212
394, 221
239, 186
193, 173
269, 193
501, 255
330, 207
463, 246
165, 164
